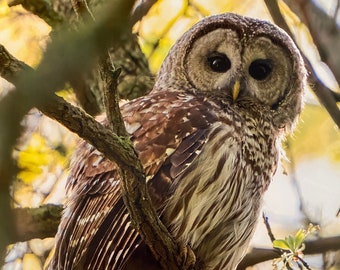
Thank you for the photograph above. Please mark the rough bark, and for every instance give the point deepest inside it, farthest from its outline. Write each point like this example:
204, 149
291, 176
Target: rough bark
37, 89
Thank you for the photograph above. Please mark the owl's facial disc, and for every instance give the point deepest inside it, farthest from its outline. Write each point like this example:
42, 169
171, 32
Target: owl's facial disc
220, 58
213, 62
268, 70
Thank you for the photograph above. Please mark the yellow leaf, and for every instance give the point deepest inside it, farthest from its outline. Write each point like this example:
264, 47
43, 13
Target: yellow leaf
31, 262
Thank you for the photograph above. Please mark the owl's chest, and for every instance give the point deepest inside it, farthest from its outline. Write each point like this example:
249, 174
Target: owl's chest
215, 207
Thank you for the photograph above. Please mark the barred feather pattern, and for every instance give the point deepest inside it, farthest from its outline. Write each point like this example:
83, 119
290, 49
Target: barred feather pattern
209, 153
201, 178
217, 198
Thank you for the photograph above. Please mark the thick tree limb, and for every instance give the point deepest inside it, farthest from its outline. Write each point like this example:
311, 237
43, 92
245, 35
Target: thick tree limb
324, 94
40, 83
10, 67
35, 88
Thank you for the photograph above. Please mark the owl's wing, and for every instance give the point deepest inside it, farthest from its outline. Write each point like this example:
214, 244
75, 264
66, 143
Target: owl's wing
95, 232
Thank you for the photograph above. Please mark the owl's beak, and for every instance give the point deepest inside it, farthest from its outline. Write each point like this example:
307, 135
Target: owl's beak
236, 90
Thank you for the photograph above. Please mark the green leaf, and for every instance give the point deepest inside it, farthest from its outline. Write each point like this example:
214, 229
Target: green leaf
281, 244
299, 238
291, 242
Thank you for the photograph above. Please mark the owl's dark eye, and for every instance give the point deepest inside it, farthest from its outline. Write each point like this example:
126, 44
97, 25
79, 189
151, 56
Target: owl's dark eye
260, 69
219, 62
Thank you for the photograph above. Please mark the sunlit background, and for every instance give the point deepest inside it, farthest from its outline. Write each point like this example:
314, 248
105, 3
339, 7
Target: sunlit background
306, 188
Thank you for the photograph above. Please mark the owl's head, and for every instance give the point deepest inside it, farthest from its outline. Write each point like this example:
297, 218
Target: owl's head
239, 62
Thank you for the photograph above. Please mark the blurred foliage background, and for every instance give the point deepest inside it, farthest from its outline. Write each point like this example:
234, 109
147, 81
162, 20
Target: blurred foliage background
306, 190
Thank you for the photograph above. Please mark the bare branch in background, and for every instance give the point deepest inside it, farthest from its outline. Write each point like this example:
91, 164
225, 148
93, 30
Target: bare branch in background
336, 9
41, 8
38, 222
324, 94
136, 78
141, 9
324, 30
257, 255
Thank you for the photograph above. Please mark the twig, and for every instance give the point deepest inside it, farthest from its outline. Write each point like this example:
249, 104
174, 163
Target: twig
304, 263
269, 229
294, 180
321, 245
272, 237
110, 76
82, 9
336, 10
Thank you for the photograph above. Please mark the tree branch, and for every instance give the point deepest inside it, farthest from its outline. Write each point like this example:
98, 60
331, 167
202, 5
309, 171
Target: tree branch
323, 93
141, 9
38, 222
321, 245
51, 74
43, 222
323, 29
109, 75
41, 8
111, 97
35, 88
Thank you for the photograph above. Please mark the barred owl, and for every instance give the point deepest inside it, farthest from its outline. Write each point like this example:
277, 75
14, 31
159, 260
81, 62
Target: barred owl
208, 136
